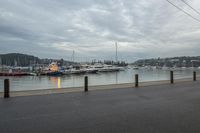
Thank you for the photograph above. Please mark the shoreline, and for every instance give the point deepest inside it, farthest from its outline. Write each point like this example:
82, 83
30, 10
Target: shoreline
93, 88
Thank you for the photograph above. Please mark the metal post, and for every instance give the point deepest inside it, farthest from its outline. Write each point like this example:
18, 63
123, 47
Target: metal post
136, 80
194, 76
6, 88
86, 84
171, 77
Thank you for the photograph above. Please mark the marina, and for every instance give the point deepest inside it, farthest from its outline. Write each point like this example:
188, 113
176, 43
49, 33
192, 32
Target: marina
21, 83
125, 66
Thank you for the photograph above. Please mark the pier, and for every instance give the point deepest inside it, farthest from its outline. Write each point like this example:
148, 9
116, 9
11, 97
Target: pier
156, 108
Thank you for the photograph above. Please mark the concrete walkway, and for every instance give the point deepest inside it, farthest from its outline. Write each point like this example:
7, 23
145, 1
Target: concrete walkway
154, 109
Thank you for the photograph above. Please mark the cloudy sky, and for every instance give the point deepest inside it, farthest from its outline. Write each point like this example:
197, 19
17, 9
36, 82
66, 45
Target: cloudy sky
142, 28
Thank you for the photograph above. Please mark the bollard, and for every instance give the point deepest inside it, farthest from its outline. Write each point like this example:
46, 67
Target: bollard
86, 84
6, 88
194, 76
171, 77
136, 80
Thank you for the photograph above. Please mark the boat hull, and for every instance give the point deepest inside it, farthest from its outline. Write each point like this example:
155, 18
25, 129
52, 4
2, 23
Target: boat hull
54, 73
14, 74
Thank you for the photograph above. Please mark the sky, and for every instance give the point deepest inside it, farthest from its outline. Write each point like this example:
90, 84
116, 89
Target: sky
90, 28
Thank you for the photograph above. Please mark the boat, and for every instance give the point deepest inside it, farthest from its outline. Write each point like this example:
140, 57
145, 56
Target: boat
53, 70
135, 67
77, 71
66, 72
91, 70
109, 68
56, 73
149, 68
183, 68
14, 74
121, 68
128, 67
11, 73
33, 74
83, 69
165, 68
158, 67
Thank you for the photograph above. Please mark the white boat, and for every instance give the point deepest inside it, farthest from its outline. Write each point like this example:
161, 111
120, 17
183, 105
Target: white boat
147, 67
91, 70
183, 68
135, 67
175, 68
158, 67
33, 74
67, 71
109, 68
121, 68
165, 68
77, 71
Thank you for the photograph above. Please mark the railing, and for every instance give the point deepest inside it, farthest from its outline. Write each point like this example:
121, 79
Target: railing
7, 83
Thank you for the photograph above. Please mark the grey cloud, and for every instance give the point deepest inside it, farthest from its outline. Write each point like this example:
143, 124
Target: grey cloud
55, 28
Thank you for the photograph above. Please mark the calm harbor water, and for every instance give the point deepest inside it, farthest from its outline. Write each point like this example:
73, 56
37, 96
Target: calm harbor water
127, 76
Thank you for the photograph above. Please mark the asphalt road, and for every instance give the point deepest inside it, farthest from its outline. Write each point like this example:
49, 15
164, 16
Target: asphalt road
154, 109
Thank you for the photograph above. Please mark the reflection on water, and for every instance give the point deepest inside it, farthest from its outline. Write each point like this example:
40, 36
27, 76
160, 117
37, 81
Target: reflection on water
127, 76
56, 80
116, 81
59, 82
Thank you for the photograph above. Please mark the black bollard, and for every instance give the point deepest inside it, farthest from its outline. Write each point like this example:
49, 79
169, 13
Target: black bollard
171, 77
86, 84
194, 76
6, 88
136, 80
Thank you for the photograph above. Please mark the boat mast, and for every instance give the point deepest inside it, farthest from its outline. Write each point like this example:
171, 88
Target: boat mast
15, 63
116, 56
73, 56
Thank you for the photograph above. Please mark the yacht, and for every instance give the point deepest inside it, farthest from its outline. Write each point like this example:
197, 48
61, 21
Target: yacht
109, 68
77, 71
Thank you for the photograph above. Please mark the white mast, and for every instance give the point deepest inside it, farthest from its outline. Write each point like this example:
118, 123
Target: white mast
73, 56
116, 52
15, 62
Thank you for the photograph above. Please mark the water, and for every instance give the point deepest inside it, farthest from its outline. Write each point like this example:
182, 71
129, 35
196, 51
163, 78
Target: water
127, 76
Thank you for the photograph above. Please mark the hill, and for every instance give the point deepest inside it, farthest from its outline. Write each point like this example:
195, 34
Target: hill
18, 59
184, 61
